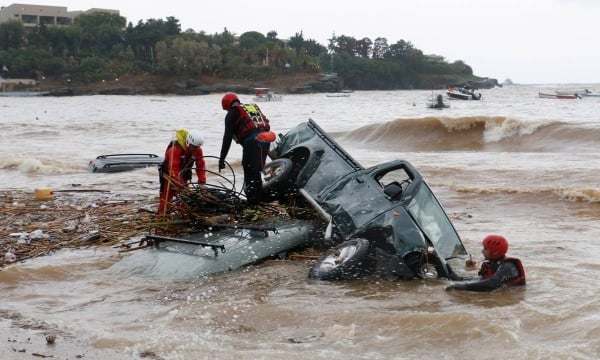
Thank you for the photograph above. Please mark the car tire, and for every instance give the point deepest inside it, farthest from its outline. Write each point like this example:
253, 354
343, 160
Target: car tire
345, 261
277, 178
417, 262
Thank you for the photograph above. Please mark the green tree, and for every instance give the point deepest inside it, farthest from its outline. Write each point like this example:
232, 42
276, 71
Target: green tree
92, 69
183, 56
224, 39
63, 41
143, 37
99, 32
364, 48
460, 67
5, 57
25, 62
297, 42
399, 50
272, 35
172, 26
313, 48
380, 48
12, 35
346, 45
251, 40
54, 66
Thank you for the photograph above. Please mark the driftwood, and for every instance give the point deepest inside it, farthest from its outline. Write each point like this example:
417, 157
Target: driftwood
31, 228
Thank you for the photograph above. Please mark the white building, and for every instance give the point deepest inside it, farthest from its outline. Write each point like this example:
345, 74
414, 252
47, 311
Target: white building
35, 15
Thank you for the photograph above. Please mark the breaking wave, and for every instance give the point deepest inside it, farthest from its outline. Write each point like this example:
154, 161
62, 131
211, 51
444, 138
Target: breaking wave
30, 165
590, 195
476, 133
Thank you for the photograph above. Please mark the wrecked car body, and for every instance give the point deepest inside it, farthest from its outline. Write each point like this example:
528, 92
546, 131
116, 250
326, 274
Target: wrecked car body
384, 219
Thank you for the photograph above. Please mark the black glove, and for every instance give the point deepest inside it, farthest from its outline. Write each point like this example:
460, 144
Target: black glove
221, 165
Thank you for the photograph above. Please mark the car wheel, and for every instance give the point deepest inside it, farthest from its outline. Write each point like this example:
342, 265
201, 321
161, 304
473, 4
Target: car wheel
345, 261
419, 263
277, 177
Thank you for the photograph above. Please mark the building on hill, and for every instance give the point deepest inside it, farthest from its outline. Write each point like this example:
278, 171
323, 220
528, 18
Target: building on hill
36, 15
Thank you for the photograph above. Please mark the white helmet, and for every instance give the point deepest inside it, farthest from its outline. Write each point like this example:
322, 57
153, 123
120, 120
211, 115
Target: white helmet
194, 138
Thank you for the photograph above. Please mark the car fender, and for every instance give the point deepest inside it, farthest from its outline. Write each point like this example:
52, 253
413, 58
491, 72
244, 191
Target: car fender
306, 161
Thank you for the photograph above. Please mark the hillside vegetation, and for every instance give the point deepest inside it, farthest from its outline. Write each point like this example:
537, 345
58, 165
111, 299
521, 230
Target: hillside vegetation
100, 51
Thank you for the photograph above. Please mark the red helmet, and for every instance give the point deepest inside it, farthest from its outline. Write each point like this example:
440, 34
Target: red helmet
496, 244
228, 99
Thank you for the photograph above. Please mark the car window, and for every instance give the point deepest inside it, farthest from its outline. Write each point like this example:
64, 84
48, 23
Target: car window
432, 220
399, 175
394, 183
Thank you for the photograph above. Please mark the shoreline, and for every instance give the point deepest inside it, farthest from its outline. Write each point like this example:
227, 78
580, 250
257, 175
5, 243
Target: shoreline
147, 84
27, 339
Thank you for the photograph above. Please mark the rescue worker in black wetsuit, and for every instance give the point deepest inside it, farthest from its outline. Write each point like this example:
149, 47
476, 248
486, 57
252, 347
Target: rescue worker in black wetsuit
497, 270
248, 126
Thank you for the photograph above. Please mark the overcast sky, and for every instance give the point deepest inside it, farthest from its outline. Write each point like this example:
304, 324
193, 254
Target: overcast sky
528, 41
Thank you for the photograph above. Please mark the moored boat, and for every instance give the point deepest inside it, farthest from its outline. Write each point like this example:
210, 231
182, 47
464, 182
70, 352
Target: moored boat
266, 94
437, 102
462, 93
542, 95
24, 93
570, 92
588, 93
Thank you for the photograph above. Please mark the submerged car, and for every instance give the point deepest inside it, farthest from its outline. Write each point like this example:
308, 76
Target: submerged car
384, 219
123, 162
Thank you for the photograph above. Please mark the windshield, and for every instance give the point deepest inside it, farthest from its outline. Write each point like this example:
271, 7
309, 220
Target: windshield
433, 221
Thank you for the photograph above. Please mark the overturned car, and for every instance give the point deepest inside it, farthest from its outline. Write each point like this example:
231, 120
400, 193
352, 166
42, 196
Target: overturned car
383, 219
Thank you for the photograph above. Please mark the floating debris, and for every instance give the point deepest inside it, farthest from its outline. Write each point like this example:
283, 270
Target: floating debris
28, 230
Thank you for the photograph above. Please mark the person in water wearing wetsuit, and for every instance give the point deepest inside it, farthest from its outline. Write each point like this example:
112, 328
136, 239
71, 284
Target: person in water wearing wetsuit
497, 270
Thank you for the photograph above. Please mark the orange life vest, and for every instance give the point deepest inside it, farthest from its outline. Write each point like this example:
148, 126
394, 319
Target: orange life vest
185, 159
488, 269
251, 119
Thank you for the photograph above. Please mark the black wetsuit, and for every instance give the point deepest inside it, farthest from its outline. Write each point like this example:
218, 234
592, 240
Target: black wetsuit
504, 273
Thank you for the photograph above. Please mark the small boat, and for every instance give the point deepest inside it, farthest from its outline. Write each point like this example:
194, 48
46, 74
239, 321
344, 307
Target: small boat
266, 94
588, 93
437, 102
542, 95
123, 162
338, 95
462, 93
570, 92
61, 92
24, 93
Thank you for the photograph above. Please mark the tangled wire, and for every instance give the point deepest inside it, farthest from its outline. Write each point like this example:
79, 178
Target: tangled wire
203, 203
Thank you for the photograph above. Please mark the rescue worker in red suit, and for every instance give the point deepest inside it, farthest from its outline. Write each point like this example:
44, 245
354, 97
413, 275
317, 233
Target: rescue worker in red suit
248, 126
497, 270
182, 154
